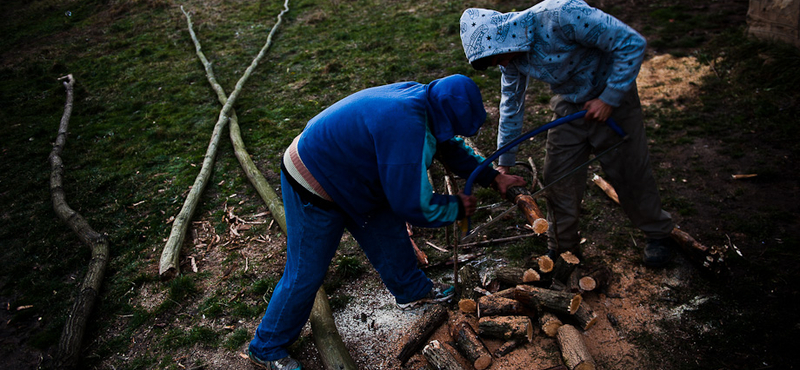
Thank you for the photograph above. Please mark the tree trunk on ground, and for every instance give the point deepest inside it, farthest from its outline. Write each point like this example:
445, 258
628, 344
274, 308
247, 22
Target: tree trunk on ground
69, 346
469, 279
326, 337
440, 358
471, 346
421, 331
573, 349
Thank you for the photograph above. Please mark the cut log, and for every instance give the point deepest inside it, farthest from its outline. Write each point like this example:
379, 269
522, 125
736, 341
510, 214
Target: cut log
493, 305
557, 301
508, 346
469, 279
522, 198
471, 346
549, 324
573, 349
421, 331
596, 279
505, 293
711, 258
516, 275
506, 327
439, 357
545, 264
565, 264
468, 306
585, 316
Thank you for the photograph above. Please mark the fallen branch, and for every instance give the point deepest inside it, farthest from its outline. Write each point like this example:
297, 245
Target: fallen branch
420, 332
168, 265
329, 343
72, 335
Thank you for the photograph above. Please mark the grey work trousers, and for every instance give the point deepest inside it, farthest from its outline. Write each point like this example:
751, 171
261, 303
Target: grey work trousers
627, 168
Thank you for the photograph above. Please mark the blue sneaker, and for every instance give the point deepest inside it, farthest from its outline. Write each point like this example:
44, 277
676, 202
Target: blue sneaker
439, 293
286, 363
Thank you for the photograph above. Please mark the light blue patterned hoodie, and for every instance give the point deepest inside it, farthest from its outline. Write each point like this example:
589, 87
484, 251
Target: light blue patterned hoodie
581, 52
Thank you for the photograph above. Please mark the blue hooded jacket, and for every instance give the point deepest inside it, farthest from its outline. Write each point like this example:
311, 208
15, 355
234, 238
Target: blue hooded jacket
373, 148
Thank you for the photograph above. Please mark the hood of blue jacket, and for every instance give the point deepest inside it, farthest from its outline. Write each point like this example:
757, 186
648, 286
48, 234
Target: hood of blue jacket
455, 106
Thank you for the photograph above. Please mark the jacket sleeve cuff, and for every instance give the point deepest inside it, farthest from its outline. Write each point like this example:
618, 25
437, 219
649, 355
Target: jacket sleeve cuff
612, 97
486, 177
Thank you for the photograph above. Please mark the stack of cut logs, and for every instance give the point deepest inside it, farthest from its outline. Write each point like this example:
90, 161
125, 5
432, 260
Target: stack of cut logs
549, 294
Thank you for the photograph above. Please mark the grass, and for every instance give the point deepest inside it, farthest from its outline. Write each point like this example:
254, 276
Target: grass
144, 113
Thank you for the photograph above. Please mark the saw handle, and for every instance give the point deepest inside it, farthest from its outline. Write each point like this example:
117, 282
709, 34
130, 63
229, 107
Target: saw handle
471, 179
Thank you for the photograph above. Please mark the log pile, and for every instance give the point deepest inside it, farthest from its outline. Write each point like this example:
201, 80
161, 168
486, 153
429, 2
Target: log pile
493, 323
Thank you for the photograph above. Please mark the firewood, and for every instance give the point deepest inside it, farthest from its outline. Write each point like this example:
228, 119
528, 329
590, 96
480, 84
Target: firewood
471, 346
422, 330
711, 258
468, 306
585, 316
549, 324
516, 275
493, 305
440, 357
565, 264
508, 346
573, 349
506, 327
468, 280
522, 198
596, 279
557, 301
506, 293
545, 264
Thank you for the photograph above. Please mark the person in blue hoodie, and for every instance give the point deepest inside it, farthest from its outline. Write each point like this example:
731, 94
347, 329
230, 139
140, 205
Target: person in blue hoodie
362, 165
590, 60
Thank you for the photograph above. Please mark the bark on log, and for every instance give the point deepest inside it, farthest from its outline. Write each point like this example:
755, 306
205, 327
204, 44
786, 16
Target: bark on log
508, 346
439, 357
514, 276
69, 345
549, 324
573, 349
421, 331
596, 280
468, 278
506, 327
522, 198
492, 305
329, 343
471, 346
557, 301
585, 316
565, 264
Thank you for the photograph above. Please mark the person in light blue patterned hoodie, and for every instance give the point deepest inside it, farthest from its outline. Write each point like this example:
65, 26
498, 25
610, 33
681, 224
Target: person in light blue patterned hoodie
590, 60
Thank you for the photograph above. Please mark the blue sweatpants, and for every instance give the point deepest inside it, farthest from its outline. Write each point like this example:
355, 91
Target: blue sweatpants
313, 236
